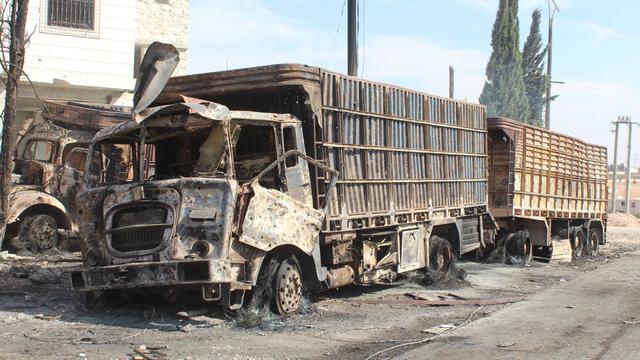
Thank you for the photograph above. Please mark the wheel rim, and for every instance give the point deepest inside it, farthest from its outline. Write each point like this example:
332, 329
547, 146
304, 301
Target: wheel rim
288, 288
43, 233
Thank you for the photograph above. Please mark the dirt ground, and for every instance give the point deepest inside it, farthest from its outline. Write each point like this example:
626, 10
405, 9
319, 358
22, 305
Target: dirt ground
41, 318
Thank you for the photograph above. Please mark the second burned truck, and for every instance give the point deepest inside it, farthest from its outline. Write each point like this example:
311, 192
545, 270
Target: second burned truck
359, 182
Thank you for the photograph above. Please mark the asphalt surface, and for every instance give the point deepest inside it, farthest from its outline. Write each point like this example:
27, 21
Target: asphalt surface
593, 316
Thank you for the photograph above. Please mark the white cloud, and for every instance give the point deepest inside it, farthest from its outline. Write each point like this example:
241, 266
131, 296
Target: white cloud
600, 33
423, 64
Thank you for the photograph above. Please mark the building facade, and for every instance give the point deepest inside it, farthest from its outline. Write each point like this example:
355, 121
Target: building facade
89, 50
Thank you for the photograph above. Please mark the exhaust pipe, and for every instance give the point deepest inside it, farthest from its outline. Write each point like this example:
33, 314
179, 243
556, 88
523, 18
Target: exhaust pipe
340, 277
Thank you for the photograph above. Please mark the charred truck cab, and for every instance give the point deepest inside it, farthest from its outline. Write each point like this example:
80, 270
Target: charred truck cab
360, 183
226, 188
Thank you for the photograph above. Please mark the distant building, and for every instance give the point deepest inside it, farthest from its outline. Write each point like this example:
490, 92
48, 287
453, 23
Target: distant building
89, 50
621, 185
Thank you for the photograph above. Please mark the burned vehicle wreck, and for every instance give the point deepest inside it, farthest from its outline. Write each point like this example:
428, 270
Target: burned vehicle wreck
227, 189
304, 179
50, 159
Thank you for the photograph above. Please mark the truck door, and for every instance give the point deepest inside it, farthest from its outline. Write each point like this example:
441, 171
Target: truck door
71, 174
269, 218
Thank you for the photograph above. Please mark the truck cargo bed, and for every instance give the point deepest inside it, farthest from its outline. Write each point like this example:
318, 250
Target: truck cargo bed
536, 172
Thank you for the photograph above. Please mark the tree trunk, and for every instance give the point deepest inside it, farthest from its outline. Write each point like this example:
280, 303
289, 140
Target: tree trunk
17, 26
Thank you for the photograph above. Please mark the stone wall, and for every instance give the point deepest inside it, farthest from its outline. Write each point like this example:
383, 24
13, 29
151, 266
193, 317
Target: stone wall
165, 21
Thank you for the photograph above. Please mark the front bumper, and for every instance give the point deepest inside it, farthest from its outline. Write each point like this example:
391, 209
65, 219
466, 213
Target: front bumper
161, 274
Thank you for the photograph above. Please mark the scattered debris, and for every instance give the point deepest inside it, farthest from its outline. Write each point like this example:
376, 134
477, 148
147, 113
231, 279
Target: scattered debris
46, 276
149, 353
506, 300
439, 329
570, 306
47, 317
505, 345
629, 322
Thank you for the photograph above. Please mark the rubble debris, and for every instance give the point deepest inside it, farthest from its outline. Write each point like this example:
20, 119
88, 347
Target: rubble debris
46, 276
439, 329
149, 353
624, 220
47, 317
505, 345
499, 301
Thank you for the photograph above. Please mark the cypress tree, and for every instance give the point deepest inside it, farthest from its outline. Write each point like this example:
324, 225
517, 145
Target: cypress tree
535, 80
504, 91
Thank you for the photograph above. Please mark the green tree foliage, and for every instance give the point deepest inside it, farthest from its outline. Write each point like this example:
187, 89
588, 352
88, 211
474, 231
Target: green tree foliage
504, 91
535, 80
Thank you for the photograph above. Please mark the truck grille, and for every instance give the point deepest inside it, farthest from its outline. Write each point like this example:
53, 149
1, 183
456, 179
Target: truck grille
139, 227
137, 240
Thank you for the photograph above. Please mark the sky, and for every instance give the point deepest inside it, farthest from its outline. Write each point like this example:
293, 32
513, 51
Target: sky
411, 43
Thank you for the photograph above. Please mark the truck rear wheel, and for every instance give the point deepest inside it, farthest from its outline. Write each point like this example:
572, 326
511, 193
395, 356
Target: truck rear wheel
40, 233
594, 243
440, 255
577, 243
518, 248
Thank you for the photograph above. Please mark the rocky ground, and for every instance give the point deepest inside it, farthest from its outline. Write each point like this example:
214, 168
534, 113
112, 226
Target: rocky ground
41, 318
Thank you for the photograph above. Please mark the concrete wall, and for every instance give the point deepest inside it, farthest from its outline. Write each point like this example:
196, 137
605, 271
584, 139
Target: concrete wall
165, 21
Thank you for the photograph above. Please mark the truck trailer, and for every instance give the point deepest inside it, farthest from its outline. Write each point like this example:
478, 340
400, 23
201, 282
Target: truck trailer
304, 179
544, 188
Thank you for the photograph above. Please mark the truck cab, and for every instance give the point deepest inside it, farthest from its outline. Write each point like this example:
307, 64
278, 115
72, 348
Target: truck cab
229, 191
50, 160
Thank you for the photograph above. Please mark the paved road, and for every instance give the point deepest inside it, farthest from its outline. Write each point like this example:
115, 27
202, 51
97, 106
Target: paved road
594, 316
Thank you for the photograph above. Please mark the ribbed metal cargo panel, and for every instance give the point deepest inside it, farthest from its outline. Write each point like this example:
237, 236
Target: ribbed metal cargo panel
399, 151
536, 172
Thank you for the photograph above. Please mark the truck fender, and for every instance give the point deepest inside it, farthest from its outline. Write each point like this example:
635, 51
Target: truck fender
21, 201
313, 272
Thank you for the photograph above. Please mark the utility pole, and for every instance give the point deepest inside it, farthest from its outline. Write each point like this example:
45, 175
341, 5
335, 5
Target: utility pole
451, 81
352, 38
627, 194
552, 12
615, 167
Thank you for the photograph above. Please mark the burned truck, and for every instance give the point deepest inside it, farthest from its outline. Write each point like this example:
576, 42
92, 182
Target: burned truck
305, 179
48, 173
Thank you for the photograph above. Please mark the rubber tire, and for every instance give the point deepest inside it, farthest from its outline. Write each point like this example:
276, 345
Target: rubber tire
33, 239
518, 246
593, 242
441, 256
578, 243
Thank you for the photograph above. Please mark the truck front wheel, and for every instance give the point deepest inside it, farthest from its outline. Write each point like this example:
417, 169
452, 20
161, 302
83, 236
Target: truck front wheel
39, 233
288, 288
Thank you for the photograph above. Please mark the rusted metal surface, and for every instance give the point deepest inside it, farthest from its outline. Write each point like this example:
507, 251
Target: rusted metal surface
49, 167
553, 175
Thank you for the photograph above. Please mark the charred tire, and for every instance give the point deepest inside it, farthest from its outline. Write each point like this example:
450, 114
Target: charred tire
288, 288
278, 288
441, 256
593, 248
39, 233
578, 243
518, 248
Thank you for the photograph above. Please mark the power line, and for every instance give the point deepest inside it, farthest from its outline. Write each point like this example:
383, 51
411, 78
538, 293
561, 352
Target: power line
335, 37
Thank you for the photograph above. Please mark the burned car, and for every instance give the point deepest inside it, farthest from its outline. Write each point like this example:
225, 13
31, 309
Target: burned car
49, 171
